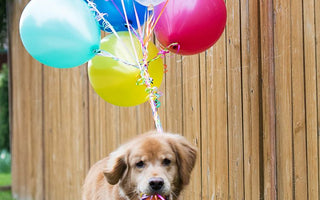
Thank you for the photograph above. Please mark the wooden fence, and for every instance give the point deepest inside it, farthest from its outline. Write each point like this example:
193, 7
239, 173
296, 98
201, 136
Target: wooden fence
250, 104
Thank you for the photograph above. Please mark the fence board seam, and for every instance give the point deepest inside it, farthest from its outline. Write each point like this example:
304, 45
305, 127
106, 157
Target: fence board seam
291, 108
305, 94
242, 103
267, 55
201, 125
227, 108
317, 83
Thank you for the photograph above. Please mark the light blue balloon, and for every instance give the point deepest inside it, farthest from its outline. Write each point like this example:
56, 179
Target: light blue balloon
59, 33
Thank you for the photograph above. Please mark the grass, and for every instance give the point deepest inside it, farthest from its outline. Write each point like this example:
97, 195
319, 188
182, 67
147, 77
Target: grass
5, 179
6, 195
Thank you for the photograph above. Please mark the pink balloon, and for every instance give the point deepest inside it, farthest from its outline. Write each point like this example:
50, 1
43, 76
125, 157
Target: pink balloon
194, 24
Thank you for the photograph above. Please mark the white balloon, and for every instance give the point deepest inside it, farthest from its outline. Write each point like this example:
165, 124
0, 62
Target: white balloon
150, 2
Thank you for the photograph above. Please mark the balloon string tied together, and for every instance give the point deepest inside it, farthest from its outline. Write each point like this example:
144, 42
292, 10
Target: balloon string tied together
104, 53
152, 91
144, 38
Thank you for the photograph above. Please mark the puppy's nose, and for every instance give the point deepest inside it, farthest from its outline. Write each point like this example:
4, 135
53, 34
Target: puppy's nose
156, 183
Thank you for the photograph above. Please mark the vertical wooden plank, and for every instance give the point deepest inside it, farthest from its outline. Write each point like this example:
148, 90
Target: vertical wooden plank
163, 100
205, 170
283, 98
66, 130
27, 131
26, 124
215, 139
251, 97
235, 129
74, 119
311, 98
35, 141
298, 102
110, 128
173, 94
144, 118
128, 123
17, 173
86, 120
64, 165
191, 119
104, 127
94, 125
51, 129
317, 23
268, 99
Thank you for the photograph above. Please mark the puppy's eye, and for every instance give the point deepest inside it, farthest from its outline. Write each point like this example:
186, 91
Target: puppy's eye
166, 162
140, 164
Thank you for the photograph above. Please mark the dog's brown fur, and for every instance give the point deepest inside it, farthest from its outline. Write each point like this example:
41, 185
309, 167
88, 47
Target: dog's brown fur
119, 176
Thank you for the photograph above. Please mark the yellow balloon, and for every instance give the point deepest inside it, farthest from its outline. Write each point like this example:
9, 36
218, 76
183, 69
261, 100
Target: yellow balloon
115, 81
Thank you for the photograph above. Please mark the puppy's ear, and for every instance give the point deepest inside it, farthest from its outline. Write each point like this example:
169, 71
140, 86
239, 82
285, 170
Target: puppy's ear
186, 157
116, 166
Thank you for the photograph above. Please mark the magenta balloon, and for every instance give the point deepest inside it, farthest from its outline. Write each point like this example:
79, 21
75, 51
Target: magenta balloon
195, 24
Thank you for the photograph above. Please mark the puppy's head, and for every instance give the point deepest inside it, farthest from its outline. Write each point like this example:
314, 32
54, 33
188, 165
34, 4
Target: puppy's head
152, 164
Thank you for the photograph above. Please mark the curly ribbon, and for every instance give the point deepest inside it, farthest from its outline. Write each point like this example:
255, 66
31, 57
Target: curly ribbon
165, 51
153, 25
152, 197
145, 77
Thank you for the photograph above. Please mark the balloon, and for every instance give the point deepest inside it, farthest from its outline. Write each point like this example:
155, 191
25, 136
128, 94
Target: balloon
59, 33
113, 13
114, 81
150, 2
194, 24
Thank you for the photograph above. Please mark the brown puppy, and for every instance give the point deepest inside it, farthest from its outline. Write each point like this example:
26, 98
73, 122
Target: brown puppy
152, 163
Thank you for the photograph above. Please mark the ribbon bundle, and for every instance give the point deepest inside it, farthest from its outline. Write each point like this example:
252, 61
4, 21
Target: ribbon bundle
152, 197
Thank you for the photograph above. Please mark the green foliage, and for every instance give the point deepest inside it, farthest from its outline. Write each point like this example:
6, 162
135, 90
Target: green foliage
5, 158
3, 22
4, 110
5, 162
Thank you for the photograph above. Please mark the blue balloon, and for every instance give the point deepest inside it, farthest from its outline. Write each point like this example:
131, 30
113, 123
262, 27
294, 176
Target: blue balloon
59, 33
114, 14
